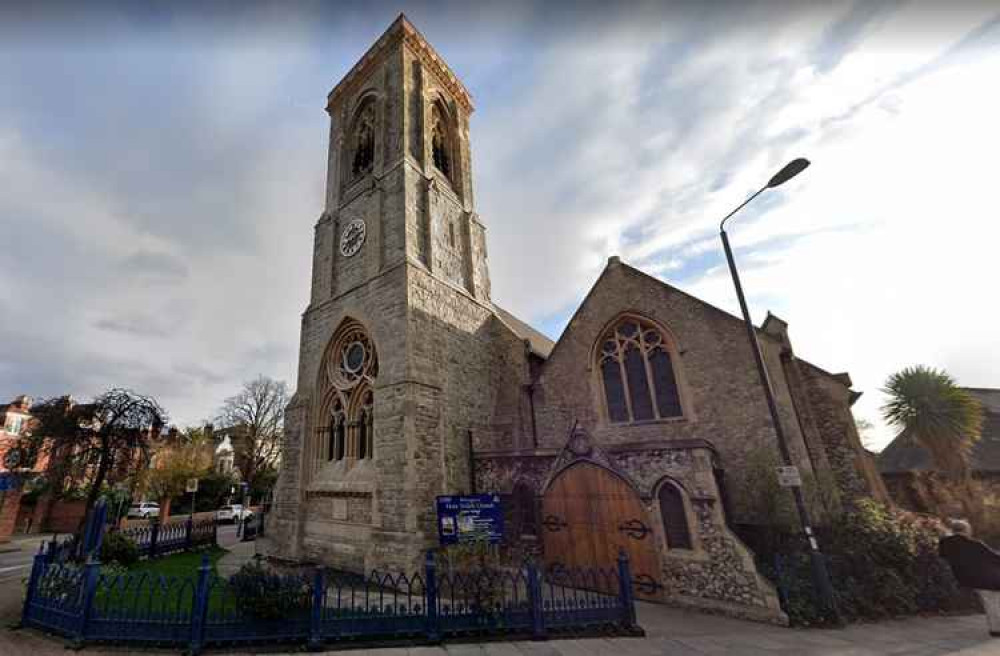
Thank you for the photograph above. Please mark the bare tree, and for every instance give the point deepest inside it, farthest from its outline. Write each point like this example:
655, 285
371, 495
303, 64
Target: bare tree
254, 420
92, 443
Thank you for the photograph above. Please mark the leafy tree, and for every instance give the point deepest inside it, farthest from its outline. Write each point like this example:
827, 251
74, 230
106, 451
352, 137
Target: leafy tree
941, 417
214, 489
254, 420
182, 456
91, 444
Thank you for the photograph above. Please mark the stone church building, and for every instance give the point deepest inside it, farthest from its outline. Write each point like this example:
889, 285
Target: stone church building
412, 383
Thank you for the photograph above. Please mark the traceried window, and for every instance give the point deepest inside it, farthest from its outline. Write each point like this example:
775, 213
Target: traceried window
364, 426
337, 433
440, 141
363, 141
521, 517
674, 516
348, 429
636, 368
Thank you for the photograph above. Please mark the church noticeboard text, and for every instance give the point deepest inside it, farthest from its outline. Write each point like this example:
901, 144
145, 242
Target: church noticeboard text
473, 518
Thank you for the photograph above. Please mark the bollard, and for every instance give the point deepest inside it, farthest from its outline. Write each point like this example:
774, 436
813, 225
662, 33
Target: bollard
316, 611
535, 600
154, 533
199, 608
433, 626
37, 567
625, 591
91, 574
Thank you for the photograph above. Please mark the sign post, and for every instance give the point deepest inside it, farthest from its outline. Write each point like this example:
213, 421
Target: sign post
469, 518
192, 487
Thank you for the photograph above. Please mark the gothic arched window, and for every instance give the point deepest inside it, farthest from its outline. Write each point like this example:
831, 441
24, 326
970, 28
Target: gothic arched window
338, 432
674, 516
351, 365
363, 141
521, 518
364, 421
636, 364
440, 140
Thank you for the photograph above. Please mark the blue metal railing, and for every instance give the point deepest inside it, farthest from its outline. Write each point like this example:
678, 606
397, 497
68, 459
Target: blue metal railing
87, 605
156, 539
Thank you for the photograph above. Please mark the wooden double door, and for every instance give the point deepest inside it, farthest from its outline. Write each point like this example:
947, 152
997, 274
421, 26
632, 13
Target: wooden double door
589, 514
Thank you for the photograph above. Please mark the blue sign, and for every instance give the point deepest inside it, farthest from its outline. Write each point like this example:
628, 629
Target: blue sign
9, 481
471, 518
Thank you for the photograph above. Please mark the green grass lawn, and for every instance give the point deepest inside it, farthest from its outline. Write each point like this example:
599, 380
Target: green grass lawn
182, 564
133, 595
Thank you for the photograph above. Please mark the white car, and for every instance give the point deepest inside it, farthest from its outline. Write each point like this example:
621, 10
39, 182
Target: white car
144, 510
233, 513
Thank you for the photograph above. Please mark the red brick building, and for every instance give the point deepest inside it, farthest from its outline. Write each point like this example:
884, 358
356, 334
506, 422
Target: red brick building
15, 420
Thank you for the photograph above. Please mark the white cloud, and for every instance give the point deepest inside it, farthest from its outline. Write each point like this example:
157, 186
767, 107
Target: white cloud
597, 133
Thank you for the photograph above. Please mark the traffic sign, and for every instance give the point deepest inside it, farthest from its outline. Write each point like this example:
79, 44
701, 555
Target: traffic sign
192, 485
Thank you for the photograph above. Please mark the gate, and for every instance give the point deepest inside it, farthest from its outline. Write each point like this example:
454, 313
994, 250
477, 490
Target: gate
588, 515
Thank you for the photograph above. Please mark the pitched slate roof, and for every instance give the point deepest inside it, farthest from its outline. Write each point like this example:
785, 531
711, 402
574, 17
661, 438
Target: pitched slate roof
539, 343
904, 454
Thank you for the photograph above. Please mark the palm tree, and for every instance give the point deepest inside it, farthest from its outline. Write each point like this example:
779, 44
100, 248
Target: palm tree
941, 417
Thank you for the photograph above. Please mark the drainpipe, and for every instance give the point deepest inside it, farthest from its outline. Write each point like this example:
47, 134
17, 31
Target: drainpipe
531, 404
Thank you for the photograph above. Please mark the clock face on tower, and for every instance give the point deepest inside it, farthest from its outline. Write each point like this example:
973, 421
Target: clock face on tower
352, 238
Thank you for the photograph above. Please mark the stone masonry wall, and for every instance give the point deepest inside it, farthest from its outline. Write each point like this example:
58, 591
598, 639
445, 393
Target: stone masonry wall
715, 372
829, 401
718, 573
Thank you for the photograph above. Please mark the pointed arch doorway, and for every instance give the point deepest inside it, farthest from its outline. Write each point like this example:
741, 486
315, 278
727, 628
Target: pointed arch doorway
588, 515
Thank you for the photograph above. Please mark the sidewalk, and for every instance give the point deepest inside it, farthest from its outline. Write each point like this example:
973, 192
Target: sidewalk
239, 554
25, 543
669, 632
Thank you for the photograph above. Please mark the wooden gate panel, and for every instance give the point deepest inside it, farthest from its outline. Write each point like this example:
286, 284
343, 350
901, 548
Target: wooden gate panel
589, 515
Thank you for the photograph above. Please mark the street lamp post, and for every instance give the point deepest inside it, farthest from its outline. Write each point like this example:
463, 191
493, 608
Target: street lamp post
821, 576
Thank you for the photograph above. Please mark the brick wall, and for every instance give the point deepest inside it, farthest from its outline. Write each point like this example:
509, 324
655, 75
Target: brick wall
10, 503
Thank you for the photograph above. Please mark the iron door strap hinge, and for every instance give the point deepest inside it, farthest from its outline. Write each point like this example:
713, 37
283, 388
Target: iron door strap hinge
646, 584
554, 523
635, 528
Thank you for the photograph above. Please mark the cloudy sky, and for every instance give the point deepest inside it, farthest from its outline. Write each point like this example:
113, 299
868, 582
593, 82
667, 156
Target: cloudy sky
161, 169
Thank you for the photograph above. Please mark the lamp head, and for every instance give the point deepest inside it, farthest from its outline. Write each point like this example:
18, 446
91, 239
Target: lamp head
792, 169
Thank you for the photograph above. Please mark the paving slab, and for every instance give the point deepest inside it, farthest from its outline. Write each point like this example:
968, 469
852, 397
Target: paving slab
670, 632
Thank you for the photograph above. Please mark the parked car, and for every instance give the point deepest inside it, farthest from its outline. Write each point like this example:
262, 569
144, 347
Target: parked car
233, 513
144, 510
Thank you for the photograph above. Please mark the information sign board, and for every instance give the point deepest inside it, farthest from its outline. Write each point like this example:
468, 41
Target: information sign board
470, 518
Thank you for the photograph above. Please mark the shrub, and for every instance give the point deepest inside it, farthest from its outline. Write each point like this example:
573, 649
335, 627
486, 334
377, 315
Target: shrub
883, 563
119, 548
476, 573
265, 595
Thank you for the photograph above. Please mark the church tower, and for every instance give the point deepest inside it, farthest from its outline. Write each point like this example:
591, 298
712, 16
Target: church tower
394, 361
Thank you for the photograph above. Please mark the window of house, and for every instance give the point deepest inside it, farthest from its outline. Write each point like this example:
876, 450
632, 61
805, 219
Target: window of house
451, 234
674, 516
440, 141
14, 423
636, 366
363, 141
